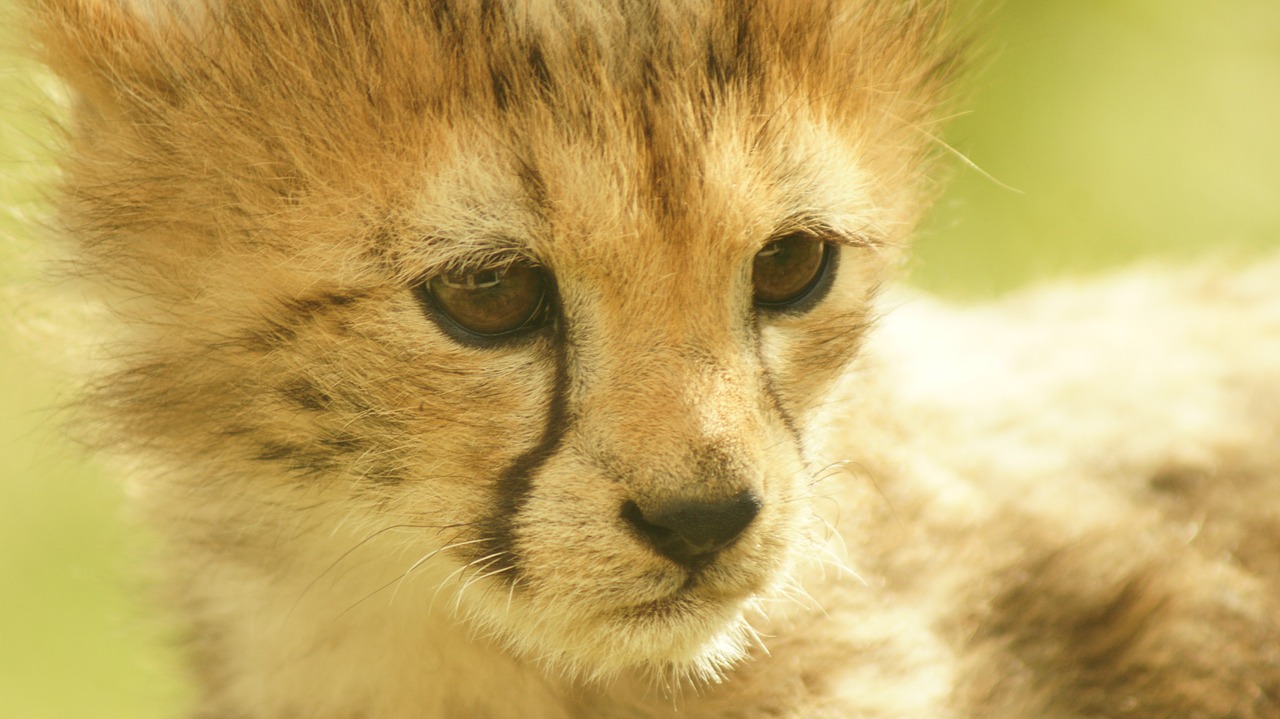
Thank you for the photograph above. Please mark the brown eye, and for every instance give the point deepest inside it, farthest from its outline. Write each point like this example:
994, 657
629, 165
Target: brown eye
494, 300
788, 270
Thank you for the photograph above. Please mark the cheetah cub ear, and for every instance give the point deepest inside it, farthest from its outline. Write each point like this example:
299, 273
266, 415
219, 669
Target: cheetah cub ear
484, 334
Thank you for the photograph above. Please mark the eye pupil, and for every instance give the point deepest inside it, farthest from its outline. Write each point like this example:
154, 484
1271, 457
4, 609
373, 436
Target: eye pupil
491, 301
788, 269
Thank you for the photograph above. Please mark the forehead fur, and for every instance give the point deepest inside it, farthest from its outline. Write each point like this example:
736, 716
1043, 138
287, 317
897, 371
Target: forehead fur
436, 58
341, 104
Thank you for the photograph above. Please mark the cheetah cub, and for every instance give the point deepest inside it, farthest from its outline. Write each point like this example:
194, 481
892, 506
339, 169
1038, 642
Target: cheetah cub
526, 359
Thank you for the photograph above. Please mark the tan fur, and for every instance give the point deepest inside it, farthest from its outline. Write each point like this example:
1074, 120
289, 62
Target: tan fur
1055, 508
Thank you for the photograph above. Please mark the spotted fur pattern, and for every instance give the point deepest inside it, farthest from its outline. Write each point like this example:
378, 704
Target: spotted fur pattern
369, 516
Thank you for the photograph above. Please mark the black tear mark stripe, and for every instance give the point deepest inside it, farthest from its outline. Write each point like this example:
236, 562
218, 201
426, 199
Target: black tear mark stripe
497, 552
793, 428
771, 390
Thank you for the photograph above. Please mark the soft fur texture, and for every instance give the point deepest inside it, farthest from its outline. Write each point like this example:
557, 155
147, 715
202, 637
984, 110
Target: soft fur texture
1054, 508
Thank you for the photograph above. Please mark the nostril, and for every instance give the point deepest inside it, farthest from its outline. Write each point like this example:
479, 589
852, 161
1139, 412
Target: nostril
689, 532
654, 533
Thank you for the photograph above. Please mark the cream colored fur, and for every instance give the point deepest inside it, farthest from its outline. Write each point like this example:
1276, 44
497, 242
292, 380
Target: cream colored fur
1055, 507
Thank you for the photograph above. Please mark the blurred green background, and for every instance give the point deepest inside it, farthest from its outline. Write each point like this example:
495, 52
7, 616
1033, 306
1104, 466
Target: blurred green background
1129, 128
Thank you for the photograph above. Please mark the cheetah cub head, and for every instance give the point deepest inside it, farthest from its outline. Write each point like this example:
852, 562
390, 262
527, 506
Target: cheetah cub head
513, 313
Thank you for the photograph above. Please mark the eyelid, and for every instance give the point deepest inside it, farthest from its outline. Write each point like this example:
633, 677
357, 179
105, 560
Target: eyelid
860, 241
865, 237
480, 262
435, 254
494, 275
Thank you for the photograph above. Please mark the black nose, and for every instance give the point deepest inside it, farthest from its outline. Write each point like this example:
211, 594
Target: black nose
689, 532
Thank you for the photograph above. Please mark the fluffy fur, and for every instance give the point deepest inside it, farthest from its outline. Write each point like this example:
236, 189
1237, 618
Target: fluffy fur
1040, 511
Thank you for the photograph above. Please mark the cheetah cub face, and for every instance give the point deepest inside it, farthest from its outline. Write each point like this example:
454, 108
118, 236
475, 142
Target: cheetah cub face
610, 397
518, 310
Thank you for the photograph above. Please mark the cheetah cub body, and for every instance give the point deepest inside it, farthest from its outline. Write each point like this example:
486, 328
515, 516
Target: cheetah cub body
517, 359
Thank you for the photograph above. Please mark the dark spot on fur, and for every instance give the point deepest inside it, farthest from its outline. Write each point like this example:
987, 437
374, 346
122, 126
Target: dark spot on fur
321, 302
340, 299
305, 460
306, 395
715, 71
501, 88
344, 443
271, 451
649, 79
655, 150
237, 430
442, 16
730, 57
532, 181
1177, 479
283, 328
270, 335
308, 305
645, 120
538, 66
1103, 630
490, 17
345, 326
1090, 632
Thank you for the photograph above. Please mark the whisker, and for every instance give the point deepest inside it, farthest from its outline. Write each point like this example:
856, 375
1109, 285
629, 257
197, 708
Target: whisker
478, 577
964, 159
492, 558
402, 575
426, 558
341, 558
459, 571
511, 593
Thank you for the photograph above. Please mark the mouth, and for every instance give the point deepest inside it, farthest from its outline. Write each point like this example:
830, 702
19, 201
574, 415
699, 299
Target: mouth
703, 591
695, 632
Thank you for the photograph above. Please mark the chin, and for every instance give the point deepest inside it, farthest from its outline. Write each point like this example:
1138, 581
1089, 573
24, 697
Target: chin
691, 635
